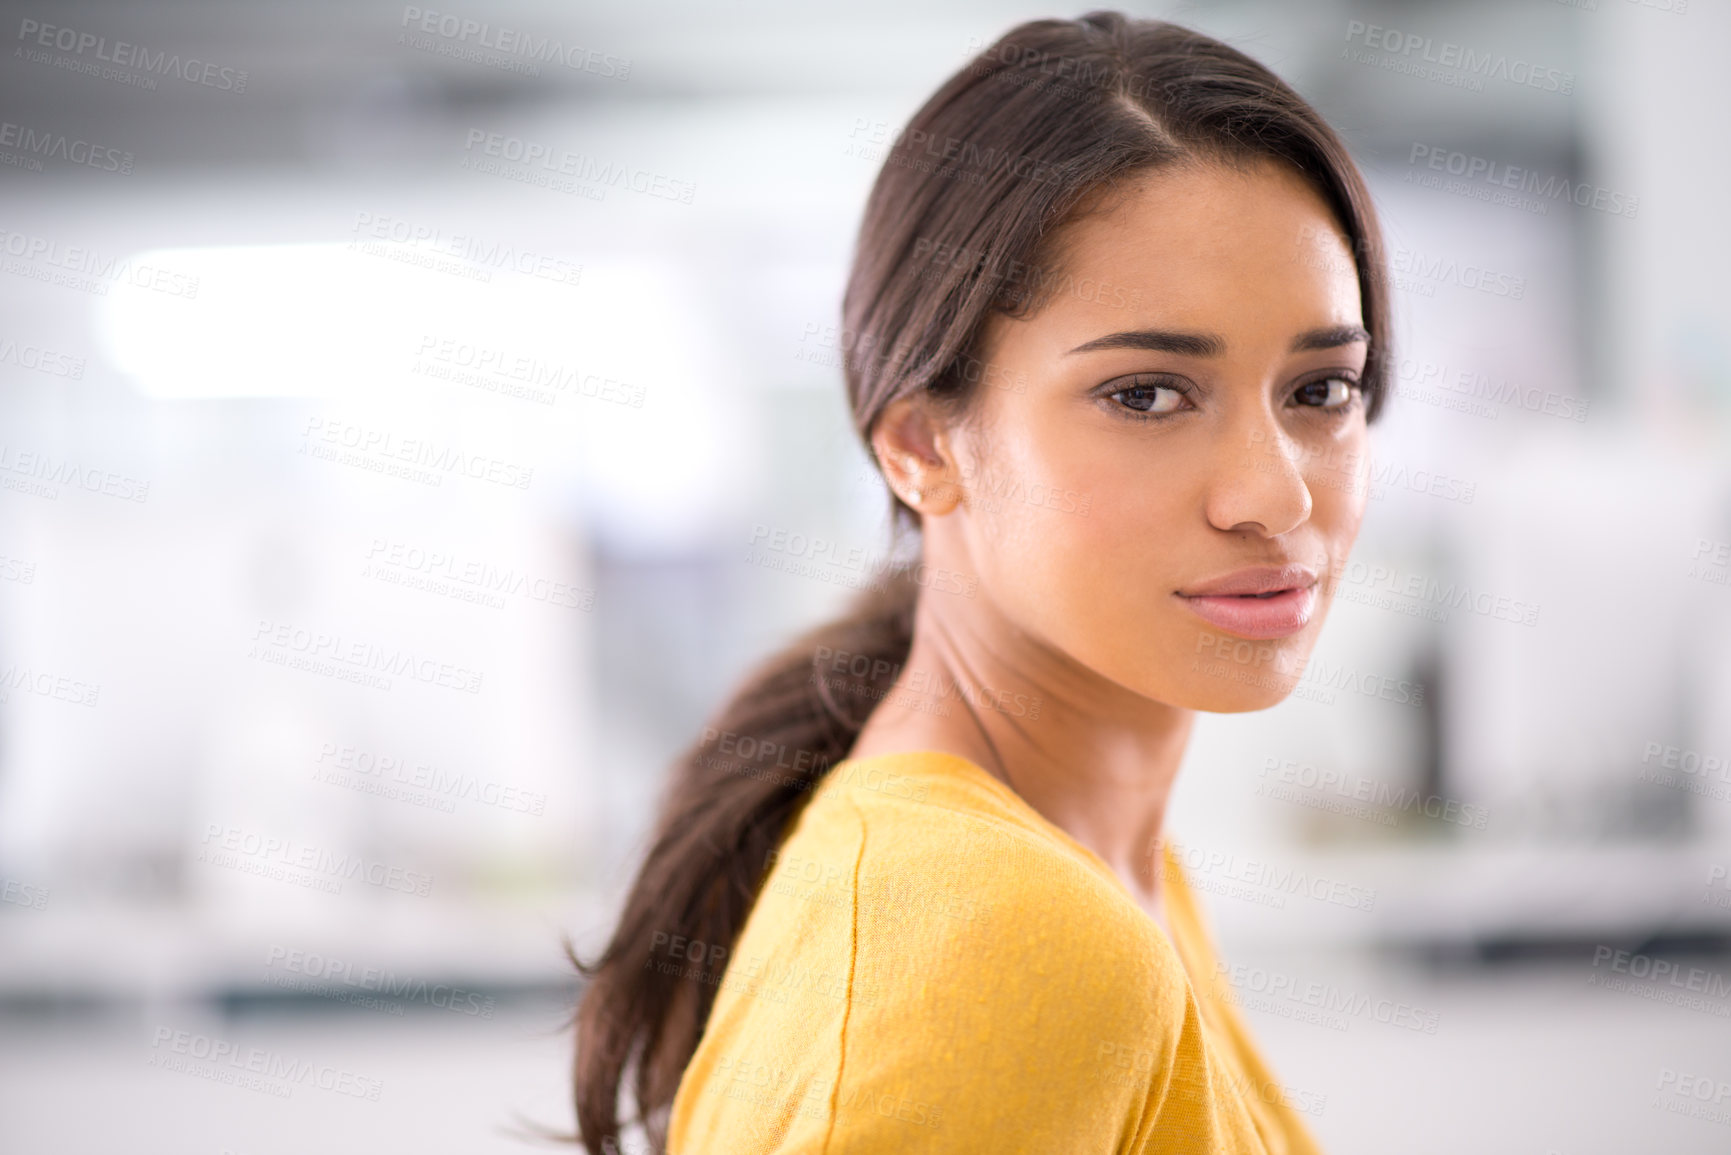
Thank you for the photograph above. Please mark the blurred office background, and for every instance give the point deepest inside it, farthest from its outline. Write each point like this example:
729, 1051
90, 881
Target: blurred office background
312, 743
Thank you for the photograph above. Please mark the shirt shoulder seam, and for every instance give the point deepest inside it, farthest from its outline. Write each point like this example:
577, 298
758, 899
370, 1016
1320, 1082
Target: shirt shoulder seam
852, 960
1011, 828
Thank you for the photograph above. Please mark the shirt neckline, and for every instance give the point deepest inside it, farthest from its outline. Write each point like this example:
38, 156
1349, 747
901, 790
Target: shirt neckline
1171, 880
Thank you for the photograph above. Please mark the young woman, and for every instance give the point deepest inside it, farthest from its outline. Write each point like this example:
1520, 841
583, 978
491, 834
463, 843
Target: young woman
1118, 318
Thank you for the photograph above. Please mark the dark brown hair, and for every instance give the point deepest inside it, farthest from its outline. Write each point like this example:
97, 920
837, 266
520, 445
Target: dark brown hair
965, 220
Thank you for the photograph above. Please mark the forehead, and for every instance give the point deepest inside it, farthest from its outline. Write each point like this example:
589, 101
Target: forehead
1211, 245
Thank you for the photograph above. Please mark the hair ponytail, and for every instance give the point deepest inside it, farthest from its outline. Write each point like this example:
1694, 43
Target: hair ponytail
731, 798
962, 223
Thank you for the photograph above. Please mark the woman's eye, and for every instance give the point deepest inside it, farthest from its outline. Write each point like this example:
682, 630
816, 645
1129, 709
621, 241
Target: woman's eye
1150, 399
1331, 393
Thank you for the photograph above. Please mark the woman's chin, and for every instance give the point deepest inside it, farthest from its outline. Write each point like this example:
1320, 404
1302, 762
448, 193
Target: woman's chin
1237, 700
1229, 689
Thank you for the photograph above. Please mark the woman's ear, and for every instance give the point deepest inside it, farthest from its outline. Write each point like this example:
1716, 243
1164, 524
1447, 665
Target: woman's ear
913, 451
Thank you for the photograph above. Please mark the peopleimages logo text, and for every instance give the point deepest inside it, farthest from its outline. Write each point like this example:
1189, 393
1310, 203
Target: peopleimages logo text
223, 845
1508, 176
78, 43
515, 42
1448, 54
59, 146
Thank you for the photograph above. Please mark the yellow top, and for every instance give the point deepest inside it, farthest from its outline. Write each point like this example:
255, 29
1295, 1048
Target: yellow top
934, 966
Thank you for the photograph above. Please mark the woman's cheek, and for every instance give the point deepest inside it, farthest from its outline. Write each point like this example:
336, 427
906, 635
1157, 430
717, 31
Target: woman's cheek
1047, 564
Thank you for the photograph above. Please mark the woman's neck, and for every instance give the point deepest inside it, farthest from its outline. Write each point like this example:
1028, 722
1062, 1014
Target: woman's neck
1095, 760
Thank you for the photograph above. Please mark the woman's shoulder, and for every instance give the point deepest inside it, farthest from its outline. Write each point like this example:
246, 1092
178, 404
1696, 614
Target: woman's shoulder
930, 965
996, 982
949, 868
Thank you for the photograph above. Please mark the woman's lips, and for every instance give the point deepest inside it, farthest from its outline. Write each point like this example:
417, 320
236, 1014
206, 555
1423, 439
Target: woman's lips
1276, 615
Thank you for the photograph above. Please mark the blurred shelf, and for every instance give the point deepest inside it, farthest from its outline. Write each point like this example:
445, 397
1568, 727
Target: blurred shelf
69, 955
1441, 895
1438, 898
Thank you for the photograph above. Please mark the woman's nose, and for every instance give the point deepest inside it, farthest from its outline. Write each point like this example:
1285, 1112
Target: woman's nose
1259, 483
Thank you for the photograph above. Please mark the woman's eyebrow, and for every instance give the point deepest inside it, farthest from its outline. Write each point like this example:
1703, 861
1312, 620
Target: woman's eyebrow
1330, 337
1209, 345
1158, 341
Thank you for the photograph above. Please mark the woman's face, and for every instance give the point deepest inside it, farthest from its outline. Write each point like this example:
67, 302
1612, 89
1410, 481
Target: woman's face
1176, 432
